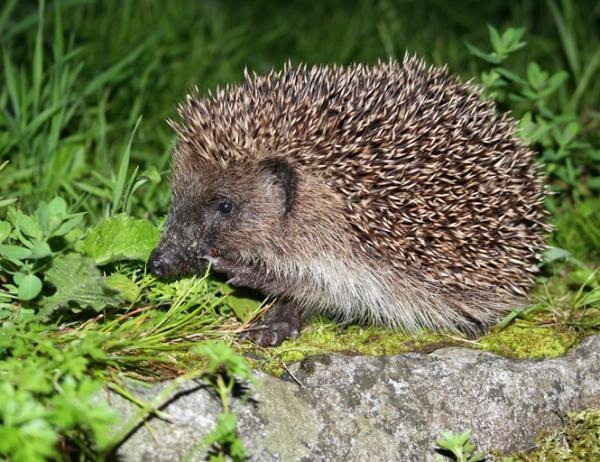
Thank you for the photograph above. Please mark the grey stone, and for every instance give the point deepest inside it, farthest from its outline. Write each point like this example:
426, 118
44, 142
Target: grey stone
355, 408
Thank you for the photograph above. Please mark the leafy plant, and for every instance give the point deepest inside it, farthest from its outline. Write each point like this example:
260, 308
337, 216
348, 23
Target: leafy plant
46, 394
227, 368
460, 446
28, 243
568, 157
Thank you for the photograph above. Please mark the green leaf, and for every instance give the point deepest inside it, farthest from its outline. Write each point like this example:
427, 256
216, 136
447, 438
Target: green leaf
5, 202
29, 287
495, 39
591, 298
569, 133
52, 215
26, 224
38, 58
78, 281
219, 355
40, 249
14, 252
556, 81
512, 76
489, 57
554, 253
594, 183
122, 174
5, 230
127, 288
152, 174
511, 39
225, 435
120, 238
244, 307
535, 75
18, 277
57, 207
68, 225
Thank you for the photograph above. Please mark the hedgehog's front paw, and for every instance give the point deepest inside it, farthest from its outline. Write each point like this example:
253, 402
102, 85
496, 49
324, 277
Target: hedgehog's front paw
271, 335
282, 321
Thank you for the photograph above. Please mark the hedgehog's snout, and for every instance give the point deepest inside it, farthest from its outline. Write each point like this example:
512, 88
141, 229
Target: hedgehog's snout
163, 263
166, 262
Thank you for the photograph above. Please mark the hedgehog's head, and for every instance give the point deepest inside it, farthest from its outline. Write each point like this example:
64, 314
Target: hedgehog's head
231, 211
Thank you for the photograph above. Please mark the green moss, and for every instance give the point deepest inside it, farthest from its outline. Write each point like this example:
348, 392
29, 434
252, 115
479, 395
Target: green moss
324, 336
528, 342
577, 440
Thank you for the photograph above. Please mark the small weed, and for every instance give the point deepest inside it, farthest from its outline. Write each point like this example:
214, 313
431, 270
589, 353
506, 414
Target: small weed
460, 447
29, 243
226, 368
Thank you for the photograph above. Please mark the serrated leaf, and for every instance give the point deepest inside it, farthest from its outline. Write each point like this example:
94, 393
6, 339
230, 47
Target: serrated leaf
120, 238
78, 281
29, 287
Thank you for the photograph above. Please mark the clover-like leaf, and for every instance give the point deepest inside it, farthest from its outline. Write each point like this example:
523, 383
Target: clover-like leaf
30, 287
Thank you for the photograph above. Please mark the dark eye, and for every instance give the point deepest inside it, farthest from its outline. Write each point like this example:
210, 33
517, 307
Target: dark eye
225, 207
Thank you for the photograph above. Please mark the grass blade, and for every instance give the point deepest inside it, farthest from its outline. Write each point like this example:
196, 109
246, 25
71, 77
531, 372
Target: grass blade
38, 58
122, 175
567, 38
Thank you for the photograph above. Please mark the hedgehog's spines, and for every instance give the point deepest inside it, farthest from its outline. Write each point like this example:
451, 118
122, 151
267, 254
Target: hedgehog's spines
431, 177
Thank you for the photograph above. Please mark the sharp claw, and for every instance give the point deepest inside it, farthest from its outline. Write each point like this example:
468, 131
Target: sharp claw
272, 338
265, 336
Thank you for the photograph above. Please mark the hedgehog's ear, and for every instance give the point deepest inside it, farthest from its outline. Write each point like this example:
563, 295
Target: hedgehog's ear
285, 176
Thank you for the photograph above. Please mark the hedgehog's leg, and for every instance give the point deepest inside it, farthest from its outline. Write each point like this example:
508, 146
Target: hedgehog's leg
284, 317
283, 320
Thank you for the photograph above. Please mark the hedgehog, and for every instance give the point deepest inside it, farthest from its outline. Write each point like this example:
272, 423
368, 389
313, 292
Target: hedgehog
389, 194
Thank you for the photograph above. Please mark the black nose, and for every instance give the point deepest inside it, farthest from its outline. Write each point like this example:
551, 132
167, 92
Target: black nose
162, 264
